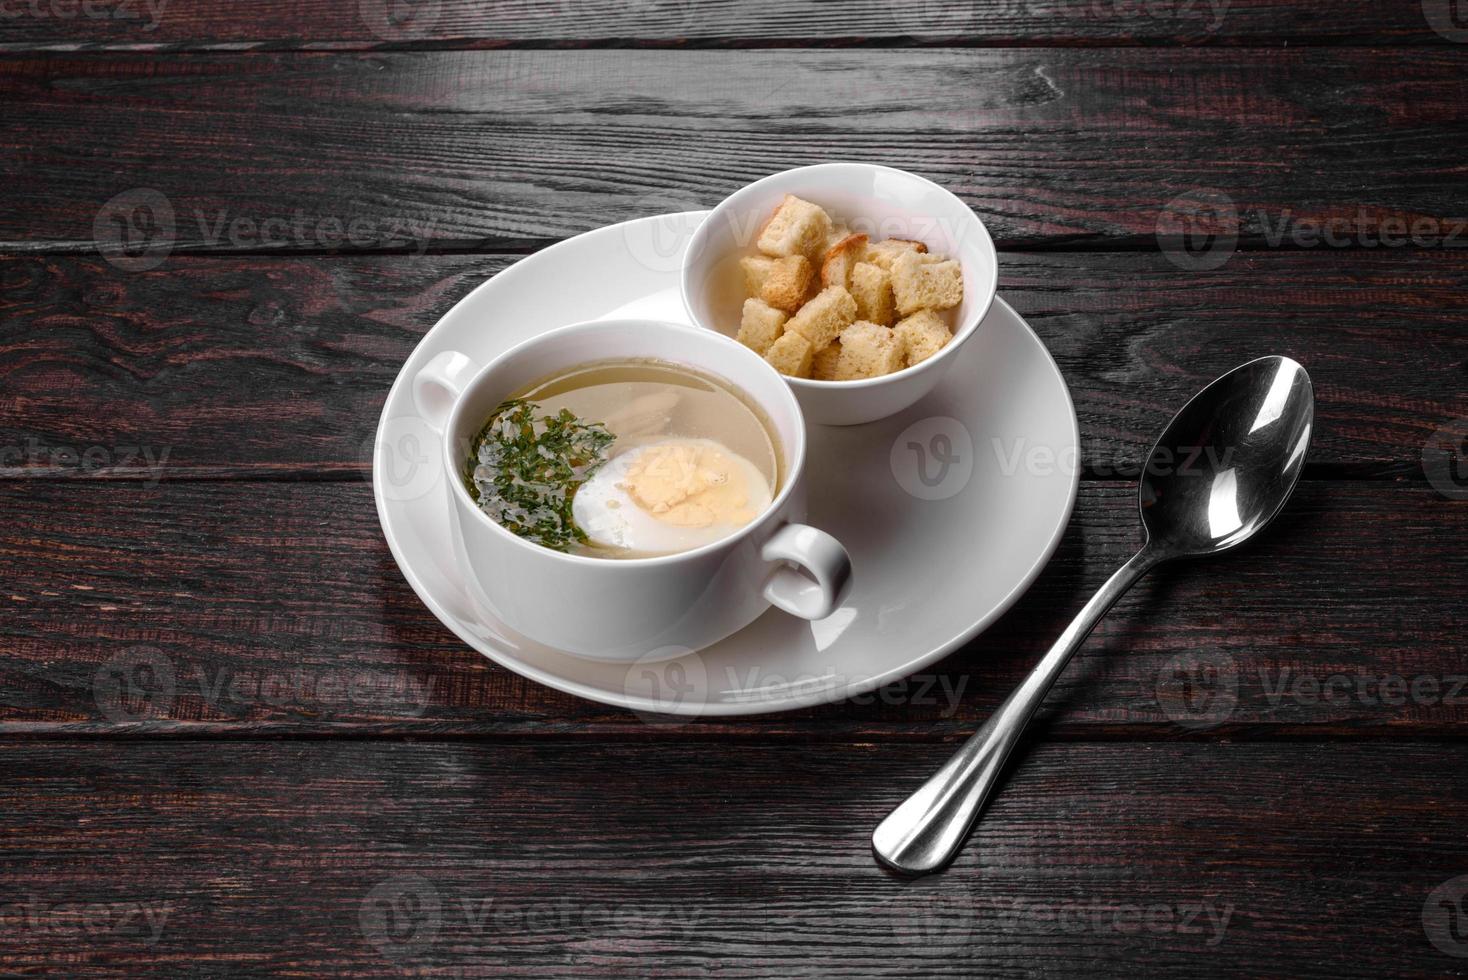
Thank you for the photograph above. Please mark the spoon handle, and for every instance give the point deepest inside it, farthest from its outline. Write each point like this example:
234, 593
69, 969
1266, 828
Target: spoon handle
927, 828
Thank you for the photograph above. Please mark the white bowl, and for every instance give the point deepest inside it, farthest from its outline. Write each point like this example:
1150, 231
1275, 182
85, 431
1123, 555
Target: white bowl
881, 201
631, 609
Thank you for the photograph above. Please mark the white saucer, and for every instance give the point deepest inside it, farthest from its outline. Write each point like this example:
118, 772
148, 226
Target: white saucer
935, 562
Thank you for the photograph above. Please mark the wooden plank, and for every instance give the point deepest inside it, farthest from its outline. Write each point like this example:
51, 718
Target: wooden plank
189, 25
263, 366
469, 149
277, 608
544, 859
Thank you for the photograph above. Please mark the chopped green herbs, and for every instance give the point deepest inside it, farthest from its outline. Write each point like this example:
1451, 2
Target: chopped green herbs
525, 466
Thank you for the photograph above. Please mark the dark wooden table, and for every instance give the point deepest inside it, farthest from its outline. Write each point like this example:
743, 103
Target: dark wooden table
233, 740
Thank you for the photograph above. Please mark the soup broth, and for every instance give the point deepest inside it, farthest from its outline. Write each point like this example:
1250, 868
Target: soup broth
625, 459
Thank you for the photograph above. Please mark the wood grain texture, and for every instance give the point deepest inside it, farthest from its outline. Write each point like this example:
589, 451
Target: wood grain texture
539, 860
234, 742
277, 608
189, 25
455, 150
261, 366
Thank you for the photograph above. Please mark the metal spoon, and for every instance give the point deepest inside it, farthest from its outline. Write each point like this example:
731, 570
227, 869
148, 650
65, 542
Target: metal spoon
1220, 472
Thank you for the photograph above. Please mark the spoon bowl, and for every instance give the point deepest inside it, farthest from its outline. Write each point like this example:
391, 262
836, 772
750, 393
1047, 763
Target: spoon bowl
1228, 461
1221, 471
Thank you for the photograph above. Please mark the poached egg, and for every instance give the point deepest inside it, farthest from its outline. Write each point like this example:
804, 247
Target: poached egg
670, 495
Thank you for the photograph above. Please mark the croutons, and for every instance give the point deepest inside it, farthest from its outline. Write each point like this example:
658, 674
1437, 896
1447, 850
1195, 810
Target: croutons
923, 334
791, 355
884, 252
796, 228
788, 282
823, 365
871, 287
760, 325
822, 319
877, 310
757, 269
920, 285
836, 267
868, 350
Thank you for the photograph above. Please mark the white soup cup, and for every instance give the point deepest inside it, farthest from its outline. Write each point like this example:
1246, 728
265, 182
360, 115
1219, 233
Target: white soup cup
639, 608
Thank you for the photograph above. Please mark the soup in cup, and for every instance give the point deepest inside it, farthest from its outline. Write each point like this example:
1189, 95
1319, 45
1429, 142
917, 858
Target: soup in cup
625, 487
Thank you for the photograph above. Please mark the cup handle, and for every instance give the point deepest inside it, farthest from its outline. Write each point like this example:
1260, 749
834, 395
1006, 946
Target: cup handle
438, 385
812, 596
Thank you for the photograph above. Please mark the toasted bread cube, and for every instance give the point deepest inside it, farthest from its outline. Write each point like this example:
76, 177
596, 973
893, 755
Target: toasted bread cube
920, 285
822, 319
836, 267
791, 355
839, 232
882, 253
757, 269
760, 325
786, 286
923, 334
868, 350
823, 365
796, 228
871, 287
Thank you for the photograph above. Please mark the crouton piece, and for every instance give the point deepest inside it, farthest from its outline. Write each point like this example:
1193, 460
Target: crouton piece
760, 326
788, 283
919, 285
882, 253
796, 228
838, 233
923, 334
791, 355
757, 269
868, 350
823, 365
871, 287
836, 267
822, 319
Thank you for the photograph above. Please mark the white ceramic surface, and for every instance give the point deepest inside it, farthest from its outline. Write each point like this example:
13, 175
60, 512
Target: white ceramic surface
935, 562
628, 609
880, 201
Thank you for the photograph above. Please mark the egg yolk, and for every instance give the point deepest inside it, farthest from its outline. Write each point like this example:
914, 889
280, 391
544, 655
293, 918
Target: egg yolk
689, 485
